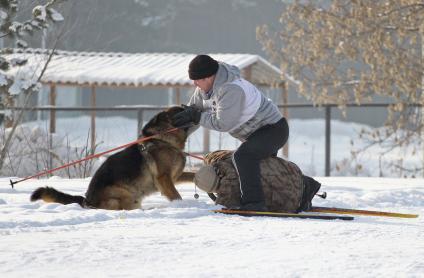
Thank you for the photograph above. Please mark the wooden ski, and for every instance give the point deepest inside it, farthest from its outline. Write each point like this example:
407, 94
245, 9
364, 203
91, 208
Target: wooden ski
282, 214
361, 212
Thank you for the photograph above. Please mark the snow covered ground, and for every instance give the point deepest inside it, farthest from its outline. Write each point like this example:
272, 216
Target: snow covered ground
185, 239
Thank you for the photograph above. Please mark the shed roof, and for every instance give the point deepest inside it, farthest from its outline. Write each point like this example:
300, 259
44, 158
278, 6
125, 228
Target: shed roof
132, 69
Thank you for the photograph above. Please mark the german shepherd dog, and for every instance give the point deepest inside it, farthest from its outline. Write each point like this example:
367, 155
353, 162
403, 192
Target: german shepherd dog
139, 170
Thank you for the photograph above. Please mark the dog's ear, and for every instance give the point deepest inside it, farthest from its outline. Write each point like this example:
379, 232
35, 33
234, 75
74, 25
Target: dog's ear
174, 110
163, 117
146, 131
149, 128
157, 124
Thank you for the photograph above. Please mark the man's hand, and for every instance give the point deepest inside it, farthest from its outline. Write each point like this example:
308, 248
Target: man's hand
190, 114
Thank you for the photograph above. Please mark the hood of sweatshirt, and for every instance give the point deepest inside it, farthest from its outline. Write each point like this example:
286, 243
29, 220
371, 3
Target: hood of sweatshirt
226, 73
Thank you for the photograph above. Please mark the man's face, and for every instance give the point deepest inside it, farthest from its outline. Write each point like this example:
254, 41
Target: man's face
205, 83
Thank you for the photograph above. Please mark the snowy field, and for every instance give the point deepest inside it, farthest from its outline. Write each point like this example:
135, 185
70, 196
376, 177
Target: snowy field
185, 239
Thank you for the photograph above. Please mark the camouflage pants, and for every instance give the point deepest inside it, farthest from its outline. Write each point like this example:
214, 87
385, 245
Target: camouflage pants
282, 182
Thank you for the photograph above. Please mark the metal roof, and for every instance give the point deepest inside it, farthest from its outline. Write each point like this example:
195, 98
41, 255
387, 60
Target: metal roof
132, 69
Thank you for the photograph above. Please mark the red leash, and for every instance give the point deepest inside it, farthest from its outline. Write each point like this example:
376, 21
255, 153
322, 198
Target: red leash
12, 183
195, 156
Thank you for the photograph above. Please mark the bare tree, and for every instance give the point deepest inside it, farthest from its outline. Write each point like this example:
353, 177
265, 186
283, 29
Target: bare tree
12, 86
352, 51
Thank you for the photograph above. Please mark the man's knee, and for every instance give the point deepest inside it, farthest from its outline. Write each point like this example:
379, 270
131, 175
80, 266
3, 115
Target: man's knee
248, 151
244, 155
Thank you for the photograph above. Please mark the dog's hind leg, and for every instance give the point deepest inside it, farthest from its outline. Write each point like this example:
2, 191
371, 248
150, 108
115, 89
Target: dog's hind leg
167, 188
118, 198
111, 203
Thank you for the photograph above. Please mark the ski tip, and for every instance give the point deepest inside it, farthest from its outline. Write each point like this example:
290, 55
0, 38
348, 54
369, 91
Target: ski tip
362, 212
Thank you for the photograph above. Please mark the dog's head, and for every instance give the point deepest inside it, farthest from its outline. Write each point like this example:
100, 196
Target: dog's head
161, 122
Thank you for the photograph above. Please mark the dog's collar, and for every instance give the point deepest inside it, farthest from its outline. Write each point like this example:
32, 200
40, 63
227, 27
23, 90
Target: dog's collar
142, 147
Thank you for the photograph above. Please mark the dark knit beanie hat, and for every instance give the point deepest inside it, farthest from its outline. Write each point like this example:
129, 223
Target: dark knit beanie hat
202, 66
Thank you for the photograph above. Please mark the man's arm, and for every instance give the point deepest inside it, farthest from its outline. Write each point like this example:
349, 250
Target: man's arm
196, 100
228, 111
182, 118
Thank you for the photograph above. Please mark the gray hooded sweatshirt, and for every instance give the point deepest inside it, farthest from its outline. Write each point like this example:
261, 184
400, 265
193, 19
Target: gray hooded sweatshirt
234, 105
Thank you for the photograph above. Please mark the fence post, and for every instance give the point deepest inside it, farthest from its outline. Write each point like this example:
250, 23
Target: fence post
139, 121
206, 140
177, 96
93, 119
52, 102
285, 101
327, 140
52, 127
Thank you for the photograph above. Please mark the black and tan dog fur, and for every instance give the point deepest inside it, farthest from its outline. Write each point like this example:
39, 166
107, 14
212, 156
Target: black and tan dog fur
130, 175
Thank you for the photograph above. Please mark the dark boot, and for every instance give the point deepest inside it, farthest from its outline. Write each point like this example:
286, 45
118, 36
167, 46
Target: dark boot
311, 187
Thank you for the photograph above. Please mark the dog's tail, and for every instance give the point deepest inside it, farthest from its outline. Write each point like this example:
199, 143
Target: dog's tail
51, 195
186, 177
